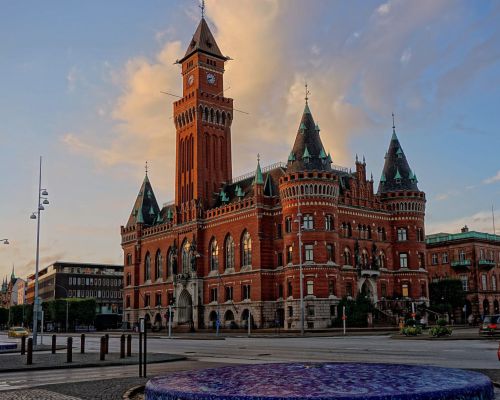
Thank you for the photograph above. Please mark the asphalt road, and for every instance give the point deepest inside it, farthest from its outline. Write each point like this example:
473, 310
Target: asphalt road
472, 354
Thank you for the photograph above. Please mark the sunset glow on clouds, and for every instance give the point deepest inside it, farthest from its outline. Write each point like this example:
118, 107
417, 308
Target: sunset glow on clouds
91, 103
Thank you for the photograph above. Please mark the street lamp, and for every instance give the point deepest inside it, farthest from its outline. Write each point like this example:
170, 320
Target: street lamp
36, 215
299, 235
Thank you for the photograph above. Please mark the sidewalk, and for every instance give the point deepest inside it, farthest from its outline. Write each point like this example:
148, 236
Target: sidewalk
17, 363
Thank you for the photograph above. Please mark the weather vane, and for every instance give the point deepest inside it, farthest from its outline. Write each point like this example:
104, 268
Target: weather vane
307, 93
146, 168
393, 124
202, 7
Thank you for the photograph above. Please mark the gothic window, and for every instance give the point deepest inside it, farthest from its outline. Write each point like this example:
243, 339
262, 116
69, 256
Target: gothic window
484, 282
434, 260
444, 257
280, 259
213, 295
229, 293
158, 261
288, 224
331, 288
308, 221
289, 288
170, 263
310, 288
403, 260
420, 235
465, 282
246, 292
129, 259
402, 234
229, 256
461, 255
328, 222
493, 283
381, 260
186, 257
289, 254
279, 234
246, 249
214, 255
129, 279
347, 256
421, 260
383, 289
405, 289
364, 258
330, 253
147, 267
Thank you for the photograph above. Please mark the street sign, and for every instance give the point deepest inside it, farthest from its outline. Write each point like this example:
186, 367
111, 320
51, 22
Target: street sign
142, 325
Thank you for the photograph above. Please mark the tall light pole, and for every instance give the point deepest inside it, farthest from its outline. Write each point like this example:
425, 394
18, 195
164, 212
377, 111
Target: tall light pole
36, 215
301, 283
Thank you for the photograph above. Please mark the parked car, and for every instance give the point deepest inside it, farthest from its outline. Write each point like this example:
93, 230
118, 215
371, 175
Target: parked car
18, 331
490, 325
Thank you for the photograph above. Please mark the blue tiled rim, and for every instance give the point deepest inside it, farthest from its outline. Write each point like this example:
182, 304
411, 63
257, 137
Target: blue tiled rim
322, 381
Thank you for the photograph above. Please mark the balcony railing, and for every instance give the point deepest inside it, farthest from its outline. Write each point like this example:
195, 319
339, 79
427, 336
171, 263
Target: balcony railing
461, 264
486, 263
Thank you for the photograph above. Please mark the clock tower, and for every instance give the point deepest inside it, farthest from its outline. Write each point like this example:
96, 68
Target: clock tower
203, 118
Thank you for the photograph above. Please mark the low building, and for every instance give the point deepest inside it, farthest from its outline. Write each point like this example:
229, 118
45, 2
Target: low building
103, 282
474, 258
21, 291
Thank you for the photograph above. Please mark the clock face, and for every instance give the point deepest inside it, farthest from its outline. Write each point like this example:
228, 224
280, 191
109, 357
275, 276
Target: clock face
211, 78
190, 80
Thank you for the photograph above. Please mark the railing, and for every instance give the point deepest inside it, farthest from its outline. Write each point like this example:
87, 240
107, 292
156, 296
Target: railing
340, 168
461, 263
487, 263
252, 174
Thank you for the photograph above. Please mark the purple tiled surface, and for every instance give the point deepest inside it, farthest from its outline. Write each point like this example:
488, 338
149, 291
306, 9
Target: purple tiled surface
322, 381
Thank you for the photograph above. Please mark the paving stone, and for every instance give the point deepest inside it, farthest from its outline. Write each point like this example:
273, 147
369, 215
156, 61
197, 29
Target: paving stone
34, 394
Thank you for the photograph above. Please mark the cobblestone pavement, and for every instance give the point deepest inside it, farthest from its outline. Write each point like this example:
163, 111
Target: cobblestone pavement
35, 394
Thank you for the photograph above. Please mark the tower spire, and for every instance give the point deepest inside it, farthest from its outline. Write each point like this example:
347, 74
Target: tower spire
146, 168
307, 93
202, 8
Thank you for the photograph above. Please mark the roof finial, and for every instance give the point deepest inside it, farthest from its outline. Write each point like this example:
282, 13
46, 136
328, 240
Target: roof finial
393, 124
258, 157
146, 168
307, 93
202, 7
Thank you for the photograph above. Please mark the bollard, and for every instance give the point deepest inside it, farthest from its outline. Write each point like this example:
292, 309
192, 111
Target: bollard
129, 345
29, 357
82, 343
122, 346
23, 345
107, 343
69, 356
53, 344
102, 352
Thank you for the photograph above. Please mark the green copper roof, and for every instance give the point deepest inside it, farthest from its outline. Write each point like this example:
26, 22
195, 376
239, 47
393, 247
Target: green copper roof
317, 127
302, 127
306, 109
151, 211
398, 175
399, 152
394, 137
382, 178
223, 196
322, 154
259, 179
238, 191
291, 157
447, 237
329, 158
306, 154
170, 214
159, 219
139, 218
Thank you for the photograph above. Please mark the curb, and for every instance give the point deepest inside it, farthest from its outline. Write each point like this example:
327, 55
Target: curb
402, 337
90, 365
129, 394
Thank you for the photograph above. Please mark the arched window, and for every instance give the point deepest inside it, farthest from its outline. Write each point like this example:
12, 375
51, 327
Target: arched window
246, 249
214, 255
364, 258
147, 268
158, 261
186, 257
171, 267
347, 256
381, 260
229, 252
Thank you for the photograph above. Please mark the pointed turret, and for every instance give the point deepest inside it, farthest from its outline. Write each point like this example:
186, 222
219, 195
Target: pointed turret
146, 208
308, 152
259, 179
12, 275
203, 41
397, 175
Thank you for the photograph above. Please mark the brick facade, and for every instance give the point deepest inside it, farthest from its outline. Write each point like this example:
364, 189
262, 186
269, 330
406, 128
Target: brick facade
228, 246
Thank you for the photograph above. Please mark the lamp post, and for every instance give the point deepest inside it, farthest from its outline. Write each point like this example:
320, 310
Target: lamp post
299, 235
36, 215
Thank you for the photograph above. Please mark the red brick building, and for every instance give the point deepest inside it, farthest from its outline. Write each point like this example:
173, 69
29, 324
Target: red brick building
472, 257
229, 245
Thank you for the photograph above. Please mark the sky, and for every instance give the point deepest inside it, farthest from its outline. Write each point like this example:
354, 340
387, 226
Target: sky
81, 82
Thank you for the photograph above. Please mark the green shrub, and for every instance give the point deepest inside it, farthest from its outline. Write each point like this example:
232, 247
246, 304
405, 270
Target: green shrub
411, 331
439, 331
441, 322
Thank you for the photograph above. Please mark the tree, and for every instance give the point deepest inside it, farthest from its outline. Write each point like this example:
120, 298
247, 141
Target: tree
4, 316
356, 311
446, 295
21, 314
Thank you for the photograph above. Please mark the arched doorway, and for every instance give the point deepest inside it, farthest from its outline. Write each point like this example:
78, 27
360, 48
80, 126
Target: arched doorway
158, 321
367, 291
280, 317
185, 308
229, 319
213, 319
244, 318
486, 306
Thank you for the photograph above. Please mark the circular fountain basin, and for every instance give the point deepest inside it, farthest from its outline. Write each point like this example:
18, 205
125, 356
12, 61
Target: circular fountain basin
322, 381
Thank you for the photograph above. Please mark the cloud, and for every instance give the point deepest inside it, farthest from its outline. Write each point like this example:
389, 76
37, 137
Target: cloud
480, 221
72, 78
493, 179
384, 8
406, 56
